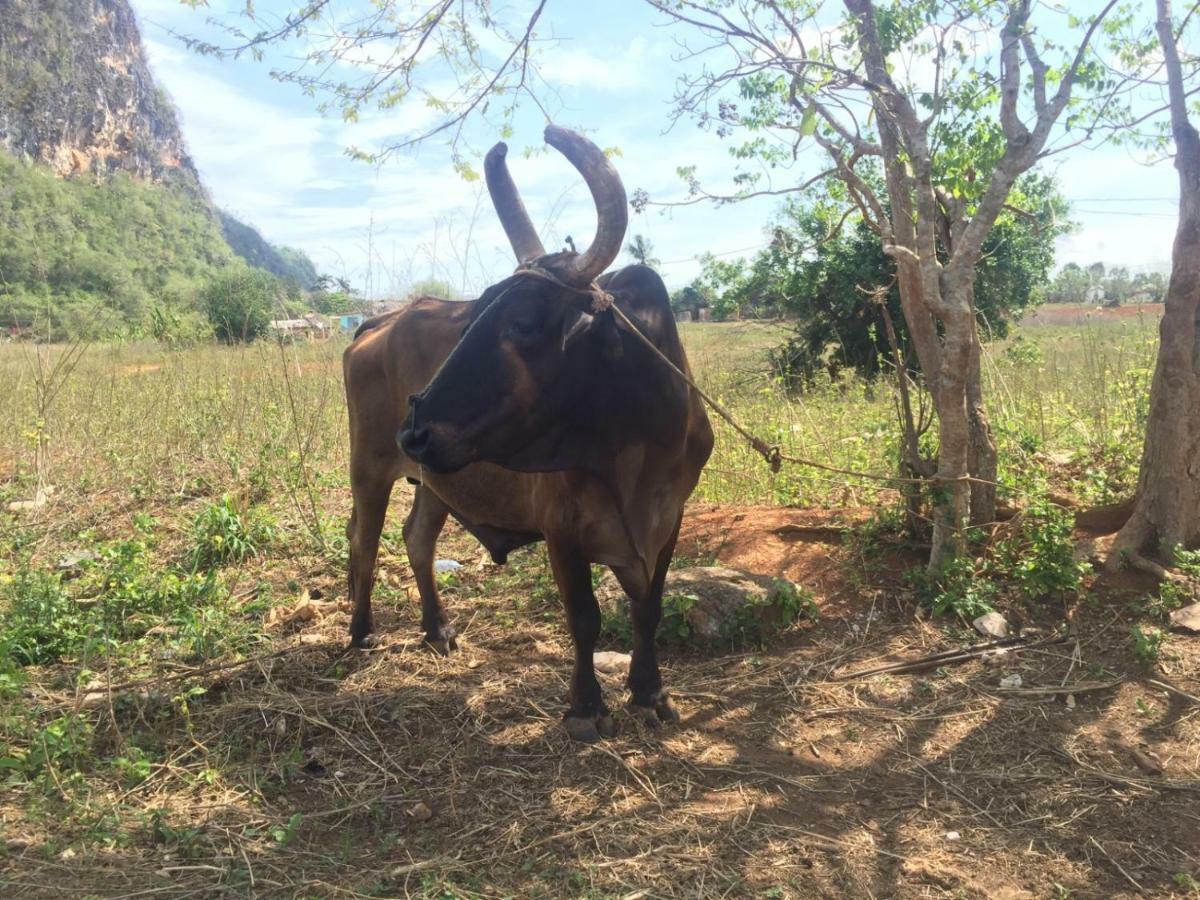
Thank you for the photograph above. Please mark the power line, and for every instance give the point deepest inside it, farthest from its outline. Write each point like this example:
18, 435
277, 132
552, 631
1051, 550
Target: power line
1122, 212
1122, 199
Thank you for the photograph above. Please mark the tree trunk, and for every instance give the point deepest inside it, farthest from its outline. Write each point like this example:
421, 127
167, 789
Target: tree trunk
1166, 512
951, 494
981, 461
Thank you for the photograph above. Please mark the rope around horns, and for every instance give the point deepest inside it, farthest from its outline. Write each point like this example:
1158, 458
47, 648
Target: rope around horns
771, 453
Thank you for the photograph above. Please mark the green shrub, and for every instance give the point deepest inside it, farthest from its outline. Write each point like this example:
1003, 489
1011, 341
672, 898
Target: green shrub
41, 622
64, 744
228, 532
1174, 594
239, 303
1040, 556
963, 588
1147, 643
121, 598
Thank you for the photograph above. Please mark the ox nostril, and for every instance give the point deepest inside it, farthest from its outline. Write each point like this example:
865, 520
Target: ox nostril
415, 440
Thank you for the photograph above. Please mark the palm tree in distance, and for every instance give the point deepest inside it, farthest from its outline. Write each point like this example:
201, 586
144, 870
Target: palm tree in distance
641, 249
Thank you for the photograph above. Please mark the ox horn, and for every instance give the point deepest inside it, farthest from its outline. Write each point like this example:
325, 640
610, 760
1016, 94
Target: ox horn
612, 215
521, 233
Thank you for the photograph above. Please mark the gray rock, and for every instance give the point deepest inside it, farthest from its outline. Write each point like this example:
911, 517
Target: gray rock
611, 663
1187, 618
991, 625
717, 602
72, 563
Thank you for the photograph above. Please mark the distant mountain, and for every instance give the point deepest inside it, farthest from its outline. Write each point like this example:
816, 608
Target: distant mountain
76, 93
288, 263
104, 221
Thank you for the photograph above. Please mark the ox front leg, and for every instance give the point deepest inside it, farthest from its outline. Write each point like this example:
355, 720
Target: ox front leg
421, 529
648, 702
587, 719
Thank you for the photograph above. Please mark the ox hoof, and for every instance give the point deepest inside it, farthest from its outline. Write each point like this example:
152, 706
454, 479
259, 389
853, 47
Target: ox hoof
588, 731
443, 641
654, 716
365, 642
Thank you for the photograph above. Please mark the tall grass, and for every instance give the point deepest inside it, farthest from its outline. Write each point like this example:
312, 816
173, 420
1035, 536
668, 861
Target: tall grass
137, 425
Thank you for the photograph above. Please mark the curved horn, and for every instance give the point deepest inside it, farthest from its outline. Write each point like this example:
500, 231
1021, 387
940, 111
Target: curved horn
612, 209
510, 209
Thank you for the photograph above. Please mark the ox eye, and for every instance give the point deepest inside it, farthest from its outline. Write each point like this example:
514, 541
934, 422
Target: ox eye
522, 327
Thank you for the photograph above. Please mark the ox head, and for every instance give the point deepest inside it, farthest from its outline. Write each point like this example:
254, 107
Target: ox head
513, 390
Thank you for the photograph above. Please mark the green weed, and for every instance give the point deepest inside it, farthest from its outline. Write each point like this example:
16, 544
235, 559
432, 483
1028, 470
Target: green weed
963, 588
227, 532
1039, 557
1147, 643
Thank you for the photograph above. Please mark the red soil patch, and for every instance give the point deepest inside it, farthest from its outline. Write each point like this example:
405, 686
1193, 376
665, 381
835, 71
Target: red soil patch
802, 545
139, 368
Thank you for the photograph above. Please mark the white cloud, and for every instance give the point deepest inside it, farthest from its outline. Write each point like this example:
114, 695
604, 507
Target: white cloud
568, 64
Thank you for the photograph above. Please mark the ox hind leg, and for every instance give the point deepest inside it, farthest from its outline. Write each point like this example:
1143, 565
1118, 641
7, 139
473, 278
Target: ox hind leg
649, 703
587, 718
371, 493
421, 529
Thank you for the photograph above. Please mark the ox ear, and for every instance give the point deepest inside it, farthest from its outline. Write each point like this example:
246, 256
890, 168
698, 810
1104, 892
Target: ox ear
601, 327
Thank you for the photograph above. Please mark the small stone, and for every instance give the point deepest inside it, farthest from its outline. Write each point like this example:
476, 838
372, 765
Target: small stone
991, 625
72, 563
474, 663
611, 663
953, 836
1187, 618
447, 565
419, 812
1070, 701
67, 854
1011, 681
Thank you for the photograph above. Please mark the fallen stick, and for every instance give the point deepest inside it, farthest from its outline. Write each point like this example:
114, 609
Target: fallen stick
1079, 687
954, 656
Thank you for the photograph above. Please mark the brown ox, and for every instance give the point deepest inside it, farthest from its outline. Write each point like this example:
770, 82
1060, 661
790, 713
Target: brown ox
531, 414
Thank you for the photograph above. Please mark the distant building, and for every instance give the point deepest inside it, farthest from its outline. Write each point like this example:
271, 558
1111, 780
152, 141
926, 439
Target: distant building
312, 327
349, 323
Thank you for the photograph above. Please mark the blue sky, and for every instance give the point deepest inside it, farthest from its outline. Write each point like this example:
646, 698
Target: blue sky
266, 154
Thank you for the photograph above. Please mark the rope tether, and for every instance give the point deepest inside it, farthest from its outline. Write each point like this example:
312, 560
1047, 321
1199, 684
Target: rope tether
771, 453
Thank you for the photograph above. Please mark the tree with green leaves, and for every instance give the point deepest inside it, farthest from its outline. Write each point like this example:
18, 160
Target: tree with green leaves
925, 134
836, 283
843, 296
642, 251
692, 299
239, 303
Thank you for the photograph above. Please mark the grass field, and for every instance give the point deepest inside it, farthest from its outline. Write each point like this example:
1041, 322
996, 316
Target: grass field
178, 717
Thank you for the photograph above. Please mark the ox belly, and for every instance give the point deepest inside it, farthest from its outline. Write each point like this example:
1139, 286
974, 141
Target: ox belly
505, 510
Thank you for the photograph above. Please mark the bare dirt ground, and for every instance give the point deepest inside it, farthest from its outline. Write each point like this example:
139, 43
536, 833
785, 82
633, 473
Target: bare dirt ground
316, 772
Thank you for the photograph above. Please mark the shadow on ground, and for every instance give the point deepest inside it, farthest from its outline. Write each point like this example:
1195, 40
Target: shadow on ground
399, 773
